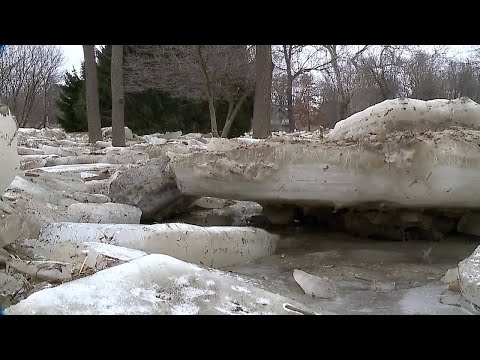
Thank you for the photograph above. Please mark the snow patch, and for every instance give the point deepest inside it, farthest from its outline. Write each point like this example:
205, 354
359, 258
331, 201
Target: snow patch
240, 289
185, 309
182, 280
263, 301
151, 284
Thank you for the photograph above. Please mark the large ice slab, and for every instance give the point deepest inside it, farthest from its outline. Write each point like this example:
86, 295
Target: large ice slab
42, 196
209, 246
398, 166
405, 114
107, 213
151, 187
469, 277
9, 159
156, 284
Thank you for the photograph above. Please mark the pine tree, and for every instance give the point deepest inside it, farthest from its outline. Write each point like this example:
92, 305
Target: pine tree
71, 103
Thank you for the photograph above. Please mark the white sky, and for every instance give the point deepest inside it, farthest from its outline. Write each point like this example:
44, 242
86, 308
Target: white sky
74, 54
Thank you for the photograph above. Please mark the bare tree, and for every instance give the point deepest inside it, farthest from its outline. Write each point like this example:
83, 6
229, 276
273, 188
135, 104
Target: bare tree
342, 75
52, 60
307, 112
462, 78
359, 79
28, 76
263, 92
91, 86
328, 100
296, 60
423, 75
340, 78
380, 69
200, 72
279, 93
118, 100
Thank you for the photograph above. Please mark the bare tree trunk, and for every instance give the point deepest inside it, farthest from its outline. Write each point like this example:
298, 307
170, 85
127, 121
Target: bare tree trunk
43, 124
263, 92
291, 116
118, 100
308, 113
211, 105
213, 116
287, 52
232, 114
344, 97
93, 107
343, 110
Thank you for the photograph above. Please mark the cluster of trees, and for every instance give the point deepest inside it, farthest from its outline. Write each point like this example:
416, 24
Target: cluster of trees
212, 74
215, 74
147, 109
29, 77
320, 85
311, 85
223, 89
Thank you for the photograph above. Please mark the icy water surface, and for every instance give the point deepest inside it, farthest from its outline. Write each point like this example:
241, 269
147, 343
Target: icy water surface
370, 276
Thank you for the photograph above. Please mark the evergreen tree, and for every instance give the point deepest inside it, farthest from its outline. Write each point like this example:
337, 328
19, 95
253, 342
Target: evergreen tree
71, 103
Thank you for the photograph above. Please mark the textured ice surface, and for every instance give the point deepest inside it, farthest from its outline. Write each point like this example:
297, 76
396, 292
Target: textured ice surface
9, 159
108, 213
155, 284
469, 276
406, 114
209, 246
425, 156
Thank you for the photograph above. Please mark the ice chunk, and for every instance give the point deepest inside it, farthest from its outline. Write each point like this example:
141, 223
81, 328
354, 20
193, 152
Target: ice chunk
211, 203
106, 213
210, 246
45, 270
22, 150
9, 159
469, 277
151, 187
11, 228
451, 278
10, 286
107, 133
440, 171
315, 286
64, 151
115, 252
405, 114
155, 284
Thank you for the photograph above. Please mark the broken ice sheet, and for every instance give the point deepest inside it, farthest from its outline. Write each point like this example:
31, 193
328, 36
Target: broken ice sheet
451, 278
156, 284
46, 270
210, 246
10, 286
469, 277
